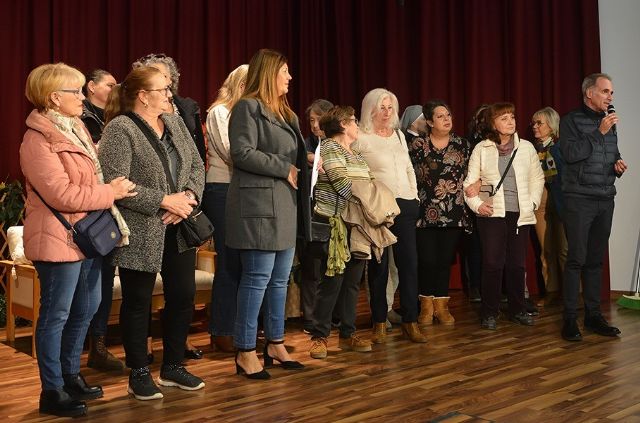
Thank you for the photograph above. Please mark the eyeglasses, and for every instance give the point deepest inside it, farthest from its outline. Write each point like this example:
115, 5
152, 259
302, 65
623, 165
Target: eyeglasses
355, 120
537, 123
77, 93
164, 91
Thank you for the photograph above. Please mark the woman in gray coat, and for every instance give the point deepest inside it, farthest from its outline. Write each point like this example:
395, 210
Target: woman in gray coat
156, 244
268, 156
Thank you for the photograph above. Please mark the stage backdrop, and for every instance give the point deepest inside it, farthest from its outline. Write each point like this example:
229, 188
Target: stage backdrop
531, 52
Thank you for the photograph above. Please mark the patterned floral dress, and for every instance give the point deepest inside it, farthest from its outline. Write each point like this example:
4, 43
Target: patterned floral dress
439, 175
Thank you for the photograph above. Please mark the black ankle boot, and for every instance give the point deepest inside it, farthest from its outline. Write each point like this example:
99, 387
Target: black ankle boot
77, 387
58, 402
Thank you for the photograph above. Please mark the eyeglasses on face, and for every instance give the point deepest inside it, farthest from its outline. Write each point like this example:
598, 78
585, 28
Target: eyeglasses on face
355, 120
76, 92
164, 91
537, 123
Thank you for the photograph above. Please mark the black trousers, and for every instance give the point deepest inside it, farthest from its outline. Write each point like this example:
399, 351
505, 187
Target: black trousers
588, 226
504, 253
406, 258
436, 251
339, 292
178, 282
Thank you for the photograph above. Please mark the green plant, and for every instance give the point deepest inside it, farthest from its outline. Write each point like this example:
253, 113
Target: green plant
12, 205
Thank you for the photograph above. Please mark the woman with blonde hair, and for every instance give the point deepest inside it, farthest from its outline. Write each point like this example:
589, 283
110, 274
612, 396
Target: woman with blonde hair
384, 148
549, 228
62, 172
225, 285
268, 184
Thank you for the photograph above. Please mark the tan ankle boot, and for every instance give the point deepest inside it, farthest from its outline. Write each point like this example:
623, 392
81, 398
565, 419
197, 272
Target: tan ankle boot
412, 332
426, 310
100, 358
379, 333
441, 311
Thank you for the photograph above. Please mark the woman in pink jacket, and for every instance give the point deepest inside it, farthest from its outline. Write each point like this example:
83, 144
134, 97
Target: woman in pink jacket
59, 162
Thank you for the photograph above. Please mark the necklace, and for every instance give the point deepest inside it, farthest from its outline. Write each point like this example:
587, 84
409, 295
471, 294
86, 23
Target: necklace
384, 132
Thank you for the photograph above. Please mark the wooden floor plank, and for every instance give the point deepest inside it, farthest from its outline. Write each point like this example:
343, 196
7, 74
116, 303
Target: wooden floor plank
463, 374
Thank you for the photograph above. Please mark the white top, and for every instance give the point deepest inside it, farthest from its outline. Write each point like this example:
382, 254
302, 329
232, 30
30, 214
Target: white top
388, 159
220, 164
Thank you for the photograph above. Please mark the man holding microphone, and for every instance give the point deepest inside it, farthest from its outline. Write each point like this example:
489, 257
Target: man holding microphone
589, 145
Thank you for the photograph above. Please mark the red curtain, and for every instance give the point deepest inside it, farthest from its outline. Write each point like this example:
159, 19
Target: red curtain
532, 52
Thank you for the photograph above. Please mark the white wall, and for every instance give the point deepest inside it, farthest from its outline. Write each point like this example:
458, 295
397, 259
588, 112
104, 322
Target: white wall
620, 53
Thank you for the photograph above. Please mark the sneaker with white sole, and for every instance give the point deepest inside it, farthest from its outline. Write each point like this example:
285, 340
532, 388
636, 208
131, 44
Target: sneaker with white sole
176, 375
141, 385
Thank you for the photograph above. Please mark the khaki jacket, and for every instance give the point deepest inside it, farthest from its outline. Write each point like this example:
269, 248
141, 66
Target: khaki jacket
370, 218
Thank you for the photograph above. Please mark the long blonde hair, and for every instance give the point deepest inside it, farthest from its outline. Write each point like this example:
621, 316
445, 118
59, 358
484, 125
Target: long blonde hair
261, 83
230, 91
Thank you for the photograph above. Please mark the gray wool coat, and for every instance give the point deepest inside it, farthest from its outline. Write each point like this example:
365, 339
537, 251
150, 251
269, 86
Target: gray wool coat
125, 151
263, 212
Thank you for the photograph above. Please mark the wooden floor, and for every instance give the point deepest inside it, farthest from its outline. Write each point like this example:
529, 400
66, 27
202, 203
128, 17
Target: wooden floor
464, 374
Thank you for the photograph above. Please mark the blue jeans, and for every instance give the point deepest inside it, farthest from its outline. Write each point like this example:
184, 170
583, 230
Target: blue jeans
69, 297
265, 275
225, 281
100, 321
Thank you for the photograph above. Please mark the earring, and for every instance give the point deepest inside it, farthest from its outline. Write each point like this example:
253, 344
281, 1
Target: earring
146, 105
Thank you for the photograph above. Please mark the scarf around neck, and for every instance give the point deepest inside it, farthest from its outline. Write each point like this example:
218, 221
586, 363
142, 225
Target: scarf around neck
505, 149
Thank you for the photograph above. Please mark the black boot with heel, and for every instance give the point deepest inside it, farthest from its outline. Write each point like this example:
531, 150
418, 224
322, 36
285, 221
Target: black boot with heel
287, 365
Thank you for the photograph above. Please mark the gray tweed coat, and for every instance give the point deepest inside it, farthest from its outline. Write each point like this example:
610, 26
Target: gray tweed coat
263, 212
125, 151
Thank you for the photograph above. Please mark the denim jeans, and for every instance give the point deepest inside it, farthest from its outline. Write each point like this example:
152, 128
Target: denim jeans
69, 297
100, 321
225, 281
265, 276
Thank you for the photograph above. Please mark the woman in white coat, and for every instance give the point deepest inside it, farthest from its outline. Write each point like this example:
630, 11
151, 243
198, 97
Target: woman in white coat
511, 186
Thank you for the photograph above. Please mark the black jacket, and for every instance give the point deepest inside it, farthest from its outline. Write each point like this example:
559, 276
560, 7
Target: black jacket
190, 113
93, 119
589, 156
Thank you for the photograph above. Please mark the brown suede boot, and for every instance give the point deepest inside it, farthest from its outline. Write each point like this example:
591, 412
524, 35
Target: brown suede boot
100, 358
441, 311
426, 310
223, 344
379, 335
412, 332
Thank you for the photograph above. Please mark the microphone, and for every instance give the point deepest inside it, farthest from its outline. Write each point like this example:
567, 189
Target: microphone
611, 109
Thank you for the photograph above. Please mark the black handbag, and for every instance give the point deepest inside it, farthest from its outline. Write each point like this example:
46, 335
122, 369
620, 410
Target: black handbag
196, 229
96, 234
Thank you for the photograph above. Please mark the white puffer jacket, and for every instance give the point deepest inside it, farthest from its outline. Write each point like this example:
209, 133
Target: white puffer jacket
483, 165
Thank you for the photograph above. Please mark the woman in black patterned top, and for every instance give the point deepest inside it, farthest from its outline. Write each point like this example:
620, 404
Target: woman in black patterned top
440, 162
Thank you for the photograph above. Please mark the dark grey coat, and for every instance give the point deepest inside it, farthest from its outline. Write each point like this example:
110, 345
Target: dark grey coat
262, 208
125, 151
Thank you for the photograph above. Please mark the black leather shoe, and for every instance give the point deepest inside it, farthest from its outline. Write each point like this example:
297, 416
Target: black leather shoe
58, 402
287, 365
77, 387
194, 354
597, 324
522, 318
570, 331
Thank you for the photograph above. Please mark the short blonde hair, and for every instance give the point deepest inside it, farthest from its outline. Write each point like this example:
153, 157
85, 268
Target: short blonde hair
370, 105
49, 78
553, 120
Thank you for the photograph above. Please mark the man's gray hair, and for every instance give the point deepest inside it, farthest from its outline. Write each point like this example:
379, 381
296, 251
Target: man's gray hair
590, 81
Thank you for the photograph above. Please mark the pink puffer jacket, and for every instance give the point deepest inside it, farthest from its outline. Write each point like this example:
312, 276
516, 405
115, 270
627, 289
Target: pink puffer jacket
64, 175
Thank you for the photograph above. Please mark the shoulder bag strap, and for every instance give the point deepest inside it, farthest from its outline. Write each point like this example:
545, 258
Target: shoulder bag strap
55, 212
152, 140
504, 175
